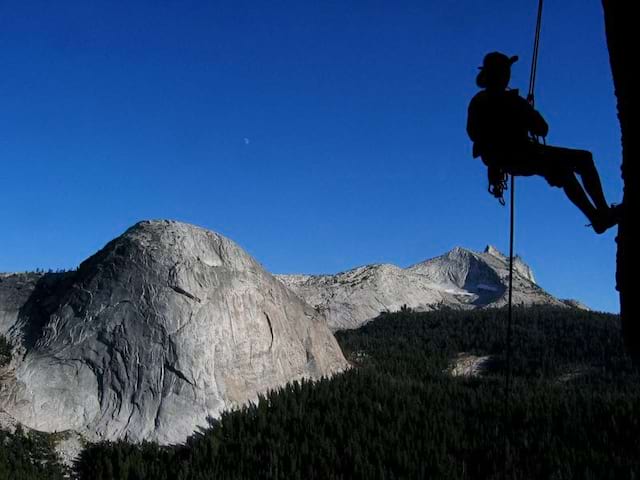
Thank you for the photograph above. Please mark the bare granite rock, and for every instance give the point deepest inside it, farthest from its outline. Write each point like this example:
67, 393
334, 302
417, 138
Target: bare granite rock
7, 422
467, 365
15, 290
68, 446
351, 298
459, 279
166, 325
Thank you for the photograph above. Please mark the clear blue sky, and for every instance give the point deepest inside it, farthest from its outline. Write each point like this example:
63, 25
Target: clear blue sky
319, 135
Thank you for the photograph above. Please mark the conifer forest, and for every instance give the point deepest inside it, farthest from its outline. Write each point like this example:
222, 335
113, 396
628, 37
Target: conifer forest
573, 411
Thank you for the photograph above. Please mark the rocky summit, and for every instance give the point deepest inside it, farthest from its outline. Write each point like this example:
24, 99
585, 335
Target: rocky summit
459, 279
166, 325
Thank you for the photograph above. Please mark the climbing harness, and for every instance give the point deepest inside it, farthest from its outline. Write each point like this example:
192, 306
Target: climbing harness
498, 184
531, 100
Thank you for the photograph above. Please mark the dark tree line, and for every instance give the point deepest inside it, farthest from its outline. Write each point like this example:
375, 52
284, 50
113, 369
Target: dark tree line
5, 351
28, 456
574, 410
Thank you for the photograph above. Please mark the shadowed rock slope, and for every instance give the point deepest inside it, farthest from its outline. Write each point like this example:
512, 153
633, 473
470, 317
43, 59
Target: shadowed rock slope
166, 325
621, 23
459, 279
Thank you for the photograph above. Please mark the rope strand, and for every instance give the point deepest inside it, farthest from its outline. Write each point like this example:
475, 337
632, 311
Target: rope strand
507, 387
534, 58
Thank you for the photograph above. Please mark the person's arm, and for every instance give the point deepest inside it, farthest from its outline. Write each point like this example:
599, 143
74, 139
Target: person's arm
535, 122
473, 129
538, 125
476, 125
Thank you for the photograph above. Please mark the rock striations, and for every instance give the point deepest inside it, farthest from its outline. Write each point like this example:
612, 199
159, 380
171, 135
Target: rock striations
166, 325
459, 279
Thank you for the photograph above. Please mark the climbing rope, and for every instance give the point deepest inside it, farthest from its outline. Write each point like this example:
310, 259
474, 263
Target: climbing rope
534, 57
507, 383
507, 386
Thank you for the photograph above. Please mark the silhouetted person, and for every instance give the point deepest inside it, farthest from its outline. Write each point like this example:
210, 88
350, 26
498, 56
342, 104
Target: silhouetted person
501, 124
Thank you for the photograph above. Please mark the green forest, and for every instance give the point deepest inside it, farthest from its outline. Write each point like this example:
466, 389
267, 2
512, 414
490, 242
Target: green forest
29, 456
573, 411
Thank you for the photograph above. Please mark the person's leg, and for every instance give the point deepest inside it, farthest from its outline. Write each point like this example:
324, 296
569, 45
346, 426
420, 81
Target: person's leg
559, 165
586, 168
556, 165
601, 219
574, 191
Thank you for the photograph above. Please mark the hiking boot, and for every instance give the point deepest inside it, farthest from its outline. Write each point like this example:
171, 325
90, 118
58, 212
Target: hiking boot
605, 219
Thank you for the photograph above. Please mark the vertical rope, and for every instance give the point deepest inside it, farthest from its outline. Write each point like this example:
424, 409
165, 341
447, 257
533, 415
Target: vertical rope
534, 57
507, 386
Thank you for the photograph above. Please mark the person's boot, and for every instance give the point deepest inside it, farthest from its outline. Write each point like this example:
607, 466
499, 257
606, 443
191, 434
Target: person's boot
605, 219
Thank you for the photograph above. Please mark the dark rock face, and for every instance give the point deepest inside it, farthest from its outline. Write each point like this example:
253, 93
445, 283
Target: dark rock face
621, 28
166, 325
15, 291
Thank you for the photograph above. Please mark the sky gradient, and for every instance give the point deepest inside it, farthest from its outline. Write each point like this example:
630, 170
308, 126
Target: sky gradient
319, 135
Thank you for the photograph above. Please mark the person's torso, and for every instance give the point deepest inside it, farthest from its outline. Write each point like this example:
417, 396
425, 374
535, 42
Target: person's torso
501, 121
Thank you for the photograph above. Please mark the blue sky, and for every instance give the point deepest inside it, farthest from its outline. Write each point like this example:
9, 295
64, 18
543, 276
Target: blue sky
319, 135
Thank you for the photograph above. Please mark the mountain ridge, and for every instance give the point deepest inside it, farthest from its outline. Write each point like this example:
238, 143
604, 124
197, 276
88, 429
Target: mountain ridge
170, 323
460, 278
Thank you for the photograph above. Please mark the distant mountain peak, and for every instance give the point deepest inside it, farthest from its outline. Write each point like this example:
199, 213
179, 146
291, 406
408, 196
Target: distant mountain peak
491, 250
459, 251
460, 278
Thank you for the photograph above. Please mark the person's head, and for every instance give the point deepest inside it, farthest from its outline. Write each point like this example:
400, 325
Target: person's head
495, 71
